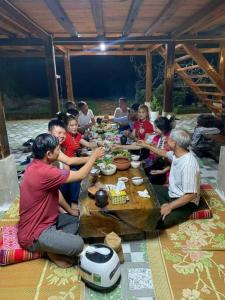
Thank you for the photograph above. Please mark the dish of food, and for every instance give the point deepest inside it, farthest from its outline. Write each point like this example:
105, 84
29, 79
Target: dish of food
135, 157
109, 169
137, 180
124, 179
135, 164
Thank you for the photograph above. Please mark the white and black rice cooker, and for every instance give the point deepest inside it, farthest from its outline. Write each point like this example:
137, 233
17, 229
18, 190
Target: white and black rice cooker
100, 267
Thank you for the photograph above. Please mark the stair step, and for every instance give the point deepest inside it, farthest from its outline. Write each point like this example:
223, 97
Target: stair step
187, 68
198, 76
206, 84
211, 93
182, 58
212, 100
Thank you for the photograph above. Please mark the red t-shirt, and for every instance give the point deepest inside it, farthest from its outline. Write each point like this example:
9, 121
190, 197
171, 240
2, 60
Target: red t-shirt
141, 128
39, 200
71, 144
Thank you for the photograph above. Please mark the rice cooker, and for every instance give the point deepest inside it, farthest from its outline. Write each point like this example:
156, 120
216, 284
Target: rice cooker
100, 267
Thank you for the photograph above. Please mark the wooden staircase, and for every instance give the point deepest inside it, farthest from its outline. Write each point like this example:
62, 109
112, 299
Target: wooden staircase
198, 74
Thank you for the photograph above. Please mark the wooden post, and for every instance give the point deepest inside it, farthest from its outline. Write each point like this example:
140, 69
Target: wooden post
168, 78
148, 76
222, 61
51, 74
4, 143
68, 75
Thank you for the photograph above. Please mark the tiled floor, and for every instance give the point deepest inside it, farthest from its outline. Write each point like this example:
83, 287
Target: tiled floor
136, 282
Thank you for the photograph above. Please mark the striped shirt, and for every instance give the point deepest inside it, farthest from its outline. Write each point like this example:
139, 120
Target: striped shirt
184, 176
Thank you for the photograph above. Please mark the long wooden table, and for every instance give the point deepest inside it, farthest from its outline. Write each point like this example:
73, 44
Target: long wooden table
136, 216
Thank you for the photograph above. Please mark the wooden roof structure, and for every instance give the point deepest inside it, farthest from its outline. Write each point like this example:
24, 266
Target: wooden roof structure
127, 25
178, 30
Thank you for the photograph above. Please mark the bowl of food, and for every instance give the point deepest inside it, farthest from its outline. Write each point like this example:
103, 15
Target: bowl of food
137, 180
135, 164
109, 169
122, 163
95, 171
135, 157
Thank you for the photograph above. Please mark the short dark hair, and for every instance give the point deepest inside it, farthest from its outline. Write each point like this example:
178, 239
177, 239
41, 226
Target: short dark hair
123, 99
42, 144
65, 118
55, 122
73, 111
81, 104
135, 106
163, 124
69, 105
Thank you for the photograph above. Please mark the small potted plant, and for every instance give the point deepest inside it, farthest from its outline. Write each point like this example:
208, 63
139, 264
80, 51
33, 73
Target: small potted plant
156, 107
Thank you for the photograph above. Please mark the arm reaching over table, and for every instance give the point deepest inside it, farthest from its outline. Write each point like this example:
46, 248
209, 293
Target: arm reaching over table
153, 148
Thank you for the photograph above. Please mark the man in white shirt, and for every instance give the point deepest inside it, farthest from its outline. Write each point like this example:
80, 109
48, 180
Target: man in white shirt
181, 197
121, 114
86, 117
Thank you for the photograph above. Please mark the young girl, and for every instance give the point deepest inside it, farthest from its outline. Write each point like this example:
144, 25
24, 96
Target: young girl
142, 126
73, 138
157, 168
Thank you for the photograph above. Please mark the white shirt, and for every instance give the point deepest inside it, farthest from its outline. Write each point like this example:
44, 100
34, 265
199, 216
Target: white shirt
120, 116
85, 119
184, 176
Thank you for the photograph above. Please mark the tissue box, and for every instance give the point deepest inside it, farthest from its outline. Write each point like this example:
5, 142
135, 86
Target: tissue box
118, 198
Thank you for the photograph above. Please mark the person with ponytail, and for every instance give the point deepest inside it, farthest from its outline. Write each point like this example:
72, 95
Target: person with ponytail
157, 168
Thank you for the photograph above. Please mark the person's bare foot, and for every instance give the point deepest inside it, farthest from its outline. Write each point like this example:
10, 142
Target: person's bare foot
61, 260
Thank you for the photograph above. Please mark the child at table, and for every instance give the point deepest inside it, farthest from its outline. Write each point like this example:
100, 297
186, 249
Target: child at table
142, 126
73, 139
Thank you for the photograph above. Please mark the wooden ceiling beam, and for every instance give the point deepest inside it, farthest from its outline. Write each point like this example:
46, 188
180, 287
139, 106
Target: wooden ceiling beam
21, 42
111, 41
8, 33
137, 40
201, 15
62, 49
133, 12
13, 26
20, 18
166, 13
211, 22
61, 16
97, 12
116, 53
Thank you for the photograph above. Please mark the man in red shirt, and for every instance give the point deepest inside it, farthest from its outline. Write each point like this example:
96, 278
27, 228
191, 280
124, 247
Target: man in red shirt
40, 227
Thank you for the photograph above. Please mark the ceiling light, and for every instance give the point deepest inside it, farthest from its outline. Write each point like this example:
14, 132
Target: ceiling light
102, 47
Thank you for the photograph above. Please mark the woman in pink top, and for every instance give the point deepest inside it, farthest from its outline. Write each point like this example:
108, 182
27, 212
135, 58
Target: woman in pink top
157, 168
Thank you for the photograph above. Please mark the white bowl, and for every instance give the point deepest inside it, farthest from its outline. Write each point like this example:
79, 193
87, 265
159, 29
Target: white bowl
124, 179
109, 169
137, 180
135, 164
135, 157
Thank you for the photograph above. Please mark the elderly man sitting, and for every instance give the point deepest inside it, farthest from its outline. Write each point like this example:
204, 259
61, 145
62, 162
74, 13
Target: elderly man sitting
181, 197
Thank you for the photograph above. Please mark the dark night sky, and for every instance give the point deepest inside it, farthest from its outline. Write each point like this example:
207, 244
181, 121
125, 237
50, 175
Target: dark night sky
93, 76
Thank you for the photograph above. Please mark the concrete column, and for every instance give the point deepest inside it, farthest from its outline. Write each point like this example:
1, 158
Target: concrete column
9, 186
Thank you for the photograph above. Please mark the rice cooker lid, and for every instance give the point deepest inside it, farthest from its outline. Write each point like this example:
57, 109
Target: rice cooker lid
99, 253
